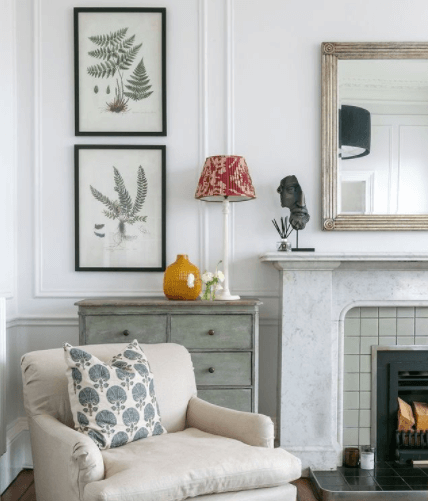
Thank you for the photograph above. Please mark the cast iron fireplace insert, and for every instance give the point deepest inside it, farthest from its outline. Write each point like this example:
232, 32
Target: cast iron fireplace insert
398, 372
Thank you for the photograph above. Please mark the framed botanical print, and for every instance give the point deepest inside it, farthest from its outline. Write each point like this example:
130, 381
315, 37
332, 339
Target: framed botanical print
120, 71
119, 208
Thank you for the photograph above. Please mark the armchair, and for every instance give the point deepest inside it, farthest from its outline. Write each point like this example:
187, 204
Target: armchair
209, 453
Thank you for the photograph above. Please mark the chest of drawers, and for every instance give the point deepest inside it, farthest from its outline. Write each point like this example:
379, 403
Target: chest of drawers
222, 337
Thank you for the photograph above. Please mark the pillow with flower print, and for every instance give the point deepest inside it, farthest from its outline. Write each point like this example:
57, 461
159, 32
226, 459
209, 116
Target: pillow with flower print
112, 403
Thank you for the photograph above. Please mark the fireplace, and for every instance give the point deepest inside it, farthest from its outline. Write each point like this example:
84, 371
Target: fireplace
316, 292
398, 372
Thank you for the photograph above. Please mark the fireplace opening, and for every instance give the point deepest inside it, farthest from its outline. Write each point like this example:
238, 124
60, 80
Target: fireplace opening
400, 377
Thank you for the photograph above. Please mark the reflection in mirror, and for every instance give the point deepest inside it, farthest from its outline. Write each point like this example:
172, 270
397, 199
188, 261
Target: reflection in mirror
388, 173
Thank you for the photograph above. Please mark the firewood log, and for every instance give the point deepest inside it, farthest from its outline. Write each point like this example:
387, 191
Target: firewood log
406, 419
420, 410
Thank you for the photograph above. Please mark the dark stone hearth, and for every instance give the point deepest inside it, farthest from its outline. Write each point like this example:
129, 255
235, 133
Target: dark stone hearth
388, 481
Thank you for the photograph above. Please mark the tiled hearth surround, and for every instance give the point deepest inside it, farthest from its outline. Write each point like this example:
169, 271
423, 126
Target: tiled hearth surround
365, 327
316, 292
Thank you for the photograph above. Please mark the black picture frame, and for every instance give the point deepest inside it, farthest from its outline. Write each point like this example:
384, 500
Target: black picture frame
161, 100
101, 173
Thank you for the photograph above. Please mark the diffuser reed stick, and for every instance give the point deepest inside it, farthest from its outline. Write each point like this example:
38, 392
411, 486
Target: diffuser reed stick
285, 229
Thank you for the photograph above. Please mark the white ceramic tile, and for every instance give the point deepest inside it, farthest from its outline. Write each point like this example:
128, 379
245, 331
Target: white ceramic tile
351, 382
421, 340
421, 312
350, 400
353, 313
369, 312
405, 340
364, 436
351, 363
387, 326
405, 312
350, 437
350, 419
367, 343
387, 312
369, 327
421, 327
364, 418
405, 327
365, 382
352, 345
352, 327
365, 402
365, 363
387, 341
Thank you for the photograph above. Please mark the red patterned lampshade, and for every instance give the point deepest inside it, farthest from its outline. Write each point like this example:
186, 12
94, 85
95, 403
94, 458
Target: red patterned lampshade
225, 177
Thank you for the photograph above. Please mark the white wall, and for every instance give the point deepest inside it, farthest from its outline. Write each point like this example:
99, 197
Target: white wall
244, 78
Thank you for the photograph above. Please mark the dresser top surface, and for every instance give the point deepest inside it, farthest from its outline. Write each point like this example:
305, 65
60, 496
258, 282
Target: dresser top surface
162, 301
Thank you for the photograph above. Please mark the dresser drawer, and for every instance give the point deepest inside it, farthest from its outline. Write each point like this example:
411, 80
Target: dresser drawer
113, 328
239, 399
227, 369
212, 331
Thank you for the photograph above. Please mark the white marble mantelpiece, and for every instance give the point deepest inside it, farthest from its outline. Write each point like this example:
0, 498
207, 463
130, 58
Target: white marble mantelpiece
317, 289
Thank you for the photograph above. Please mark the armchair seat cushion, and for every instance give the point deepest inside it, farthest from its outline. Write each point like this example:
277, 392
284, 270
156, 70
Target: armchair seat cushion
187, 464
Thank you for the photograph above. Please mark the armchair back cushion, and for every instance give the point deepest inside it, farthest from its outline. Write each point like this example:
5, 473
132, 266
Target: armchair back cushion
46, 390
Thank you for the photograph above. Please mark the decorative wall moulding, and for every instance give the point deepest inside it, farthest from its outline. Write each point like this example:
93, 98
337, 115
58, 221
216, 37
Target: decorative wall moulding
120, 71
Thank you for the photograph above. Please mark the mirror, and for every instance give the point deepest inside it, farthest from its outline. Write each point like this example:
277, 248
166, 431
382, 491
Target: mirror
375, 136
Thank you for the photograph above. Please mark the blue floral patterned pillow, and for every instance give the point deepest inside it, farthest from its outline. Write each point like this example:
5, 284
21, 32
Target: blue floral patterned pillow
113, 403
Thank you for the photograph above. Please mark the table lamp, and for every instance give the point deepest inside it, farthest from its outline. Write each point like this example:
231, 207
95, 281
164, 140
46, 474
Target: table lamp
225, 178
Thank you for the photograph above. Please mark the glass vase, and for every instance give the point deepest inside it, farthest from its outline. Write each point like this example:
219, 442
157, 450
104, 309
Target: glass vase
284, 245
209, 293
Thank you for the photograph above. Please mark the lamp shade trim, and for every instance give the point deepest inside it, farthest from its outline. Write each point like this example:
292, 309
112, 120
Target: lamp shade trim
225, 176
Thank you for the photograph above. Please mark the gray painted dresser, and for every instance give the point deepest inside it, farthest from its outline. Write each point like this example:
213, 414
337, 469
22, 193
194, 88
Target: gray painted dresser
222, 337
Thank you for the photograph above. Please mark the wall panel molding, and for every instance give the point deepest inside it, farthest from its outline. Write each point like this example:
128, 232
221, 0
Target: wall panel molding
230, 114
39, 321
9, 142
73, 320
38, 189
18, 454
203, 130
39, 290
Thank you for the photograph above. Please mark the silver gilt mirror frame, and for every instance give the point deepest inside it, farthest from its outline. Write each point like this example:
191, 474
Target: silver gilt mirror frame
331, 53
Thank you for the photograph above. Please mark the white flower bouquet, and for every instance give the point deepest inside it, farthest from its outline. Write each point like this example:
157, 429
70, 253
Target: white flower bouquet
212, 283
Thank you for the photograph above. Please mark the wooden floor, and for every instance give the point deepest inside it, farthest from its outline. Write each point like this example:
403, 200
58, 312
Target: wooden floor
22, 489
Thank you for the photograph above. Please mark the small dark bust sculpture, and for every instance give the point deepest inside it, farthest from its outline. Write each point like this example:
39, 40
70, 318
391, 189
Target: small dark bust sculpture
293, 197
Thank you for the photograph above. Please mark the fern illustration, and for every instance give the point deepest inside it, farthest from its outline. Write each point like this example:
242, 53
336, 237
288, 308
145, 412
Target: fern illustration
138, 83
117, 55
112, 38
124, 209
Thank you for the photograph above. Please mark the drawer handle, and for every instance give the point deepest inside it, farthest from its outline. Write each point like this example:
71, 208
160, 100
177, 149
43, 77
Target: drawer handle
211, 369
211, 332
126, 332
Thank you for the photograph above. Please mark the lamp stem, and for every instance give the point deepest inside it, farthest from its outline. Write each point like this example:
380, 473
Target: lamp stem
225, 295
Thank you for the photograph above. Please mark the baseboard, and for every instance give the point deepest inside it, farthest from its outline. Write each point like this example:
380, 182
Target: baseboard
18, 452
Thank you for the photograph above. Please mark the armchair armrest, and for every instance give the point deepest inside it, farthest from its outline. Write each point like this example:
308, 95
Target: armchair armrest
64, 459
252, 429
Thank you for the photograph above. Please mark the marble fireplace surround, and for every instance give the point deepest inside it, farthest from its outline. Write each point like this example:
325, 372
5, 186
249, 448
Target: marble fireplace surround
316, 292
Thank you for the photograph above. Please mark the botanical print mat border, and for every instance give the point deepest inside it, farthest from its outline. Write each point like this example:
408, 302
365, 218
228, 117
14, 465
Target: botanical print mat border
120, 204
120, 71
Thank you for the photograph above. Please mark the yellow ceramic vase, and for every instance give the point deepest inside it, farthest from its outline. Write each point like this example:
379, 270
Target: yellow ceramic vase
182, 280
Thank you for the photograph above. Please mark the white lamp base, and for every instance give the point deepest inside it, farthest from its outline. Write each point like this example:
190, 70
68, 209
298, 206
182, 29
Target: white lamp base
225, 296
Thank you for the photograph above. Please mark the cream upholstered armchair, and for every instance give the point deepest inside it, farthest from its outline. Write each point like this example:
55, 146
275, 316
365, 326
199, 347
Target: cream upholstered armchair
209, 453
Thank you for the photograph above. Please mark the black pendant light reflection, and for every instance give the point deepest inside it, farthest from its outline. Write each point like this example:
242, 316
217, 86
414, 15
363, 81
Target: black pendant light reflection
354, 132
